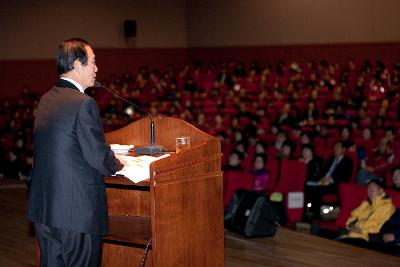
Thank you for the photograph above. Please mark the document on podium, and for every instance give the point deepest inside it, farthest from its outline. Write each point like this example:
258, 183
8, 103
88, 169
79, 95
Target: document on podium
137, 169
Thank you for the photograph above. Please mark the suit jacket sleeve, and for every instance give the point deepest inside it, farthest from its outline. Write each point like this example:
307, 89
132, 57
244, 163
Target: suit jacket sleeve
91, 139
393, 226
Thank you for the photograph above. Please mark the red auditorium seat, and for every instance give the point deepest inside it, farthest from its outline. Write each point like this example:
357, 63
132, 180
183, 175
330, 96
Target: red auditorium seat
357, 133
368, 145
342, 123
292, 176
391, 116
234, 180
269, 138
353, 155
264, 123
291, 180
333, 133
352, 113
272, 151
365, 124
273, 172
379, 133
395, 195
226, 147
247, 162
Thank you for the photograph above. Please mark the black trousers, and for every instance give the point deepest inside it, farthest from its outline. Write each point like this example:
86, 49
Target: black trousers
63, 248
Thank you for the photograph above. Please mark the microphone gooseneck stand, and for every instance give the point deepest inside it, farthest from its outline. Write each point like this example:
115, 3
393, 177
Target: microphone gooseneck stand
150, 149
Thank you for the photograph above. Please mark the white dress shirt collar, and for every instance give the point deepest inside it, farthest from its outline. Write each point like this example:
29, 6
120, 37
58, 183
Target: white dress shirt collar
80, 88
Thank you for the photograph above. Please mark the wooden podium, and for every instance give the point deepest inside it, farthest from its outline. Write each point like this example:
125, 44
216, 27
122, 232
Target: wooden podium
180, 208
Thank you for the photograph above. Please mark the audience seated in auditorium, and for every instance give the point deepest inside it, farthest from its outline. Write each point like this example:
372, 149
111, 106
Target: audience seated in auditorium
248, 104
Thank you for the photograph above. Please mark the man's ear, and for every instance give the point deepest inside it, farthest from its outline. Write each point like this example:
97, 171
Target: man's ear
77, 65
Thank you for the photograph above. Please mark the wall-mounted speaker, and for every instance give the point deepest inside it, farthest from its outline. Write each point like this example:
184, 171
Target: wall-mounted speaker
130, 28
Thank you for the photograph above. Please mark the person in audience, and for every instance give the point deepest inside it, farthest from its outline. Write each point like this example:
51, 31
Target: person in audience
359, 152
346, 133
369, 216
382, 162
389, 134
337, 168
287, 151
306, 138
286, 117
314, 169
313, 162
367, 134
388, 240
234, 161
396, 179
311, 112
261, 147
260, 174
238, 136
241, 147
281, 137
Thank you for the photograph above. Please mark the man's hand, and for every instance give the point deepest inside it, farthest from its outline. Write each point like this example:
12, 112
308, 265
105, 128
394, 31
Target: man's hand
355, 229
369, 168
121, 160
325, 180
388, 238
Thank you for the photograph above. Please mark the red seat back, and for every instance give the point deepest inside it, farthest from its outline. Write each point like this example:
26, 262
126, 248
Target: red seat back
354, 157
272, 169
292, 178
350, 195
234, 180
395, 195
368, 145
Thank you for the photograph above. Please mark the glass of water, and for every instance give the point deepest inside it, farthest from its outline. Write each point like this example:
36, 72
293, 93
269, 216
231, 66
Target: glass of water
182, 143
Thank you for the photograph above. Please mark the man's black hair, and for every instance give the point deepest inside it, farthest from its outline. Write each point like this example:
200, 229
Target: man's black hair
69, 51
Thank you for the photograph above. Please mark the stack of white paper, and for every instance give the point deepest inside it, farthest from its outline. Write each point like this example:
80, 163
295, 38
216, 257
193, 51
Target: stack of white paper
137, 169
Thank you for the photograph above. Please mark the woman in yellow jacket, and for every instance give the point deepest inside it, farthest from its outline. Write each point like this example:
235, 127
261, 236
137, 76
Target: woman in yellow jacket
369, 217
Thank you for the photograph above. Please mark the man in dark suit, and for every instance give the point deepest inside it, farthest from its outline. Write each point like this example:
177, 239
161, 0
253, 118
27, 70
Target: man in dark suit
338, 168
67, 201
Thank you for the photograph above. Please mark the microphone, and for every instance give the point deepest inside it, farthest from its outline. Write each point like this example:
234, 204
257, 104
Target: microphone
143, 150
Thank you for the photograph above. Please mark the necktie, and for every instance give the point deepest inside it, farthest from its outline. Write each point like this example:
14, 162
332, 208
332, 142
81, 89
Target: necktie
333, 167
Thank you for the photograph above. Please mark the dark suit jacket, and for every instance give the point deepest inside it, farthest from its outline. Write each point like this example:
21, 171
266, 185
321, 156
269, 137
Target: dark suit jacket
70, 160
343, 170
392, 226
